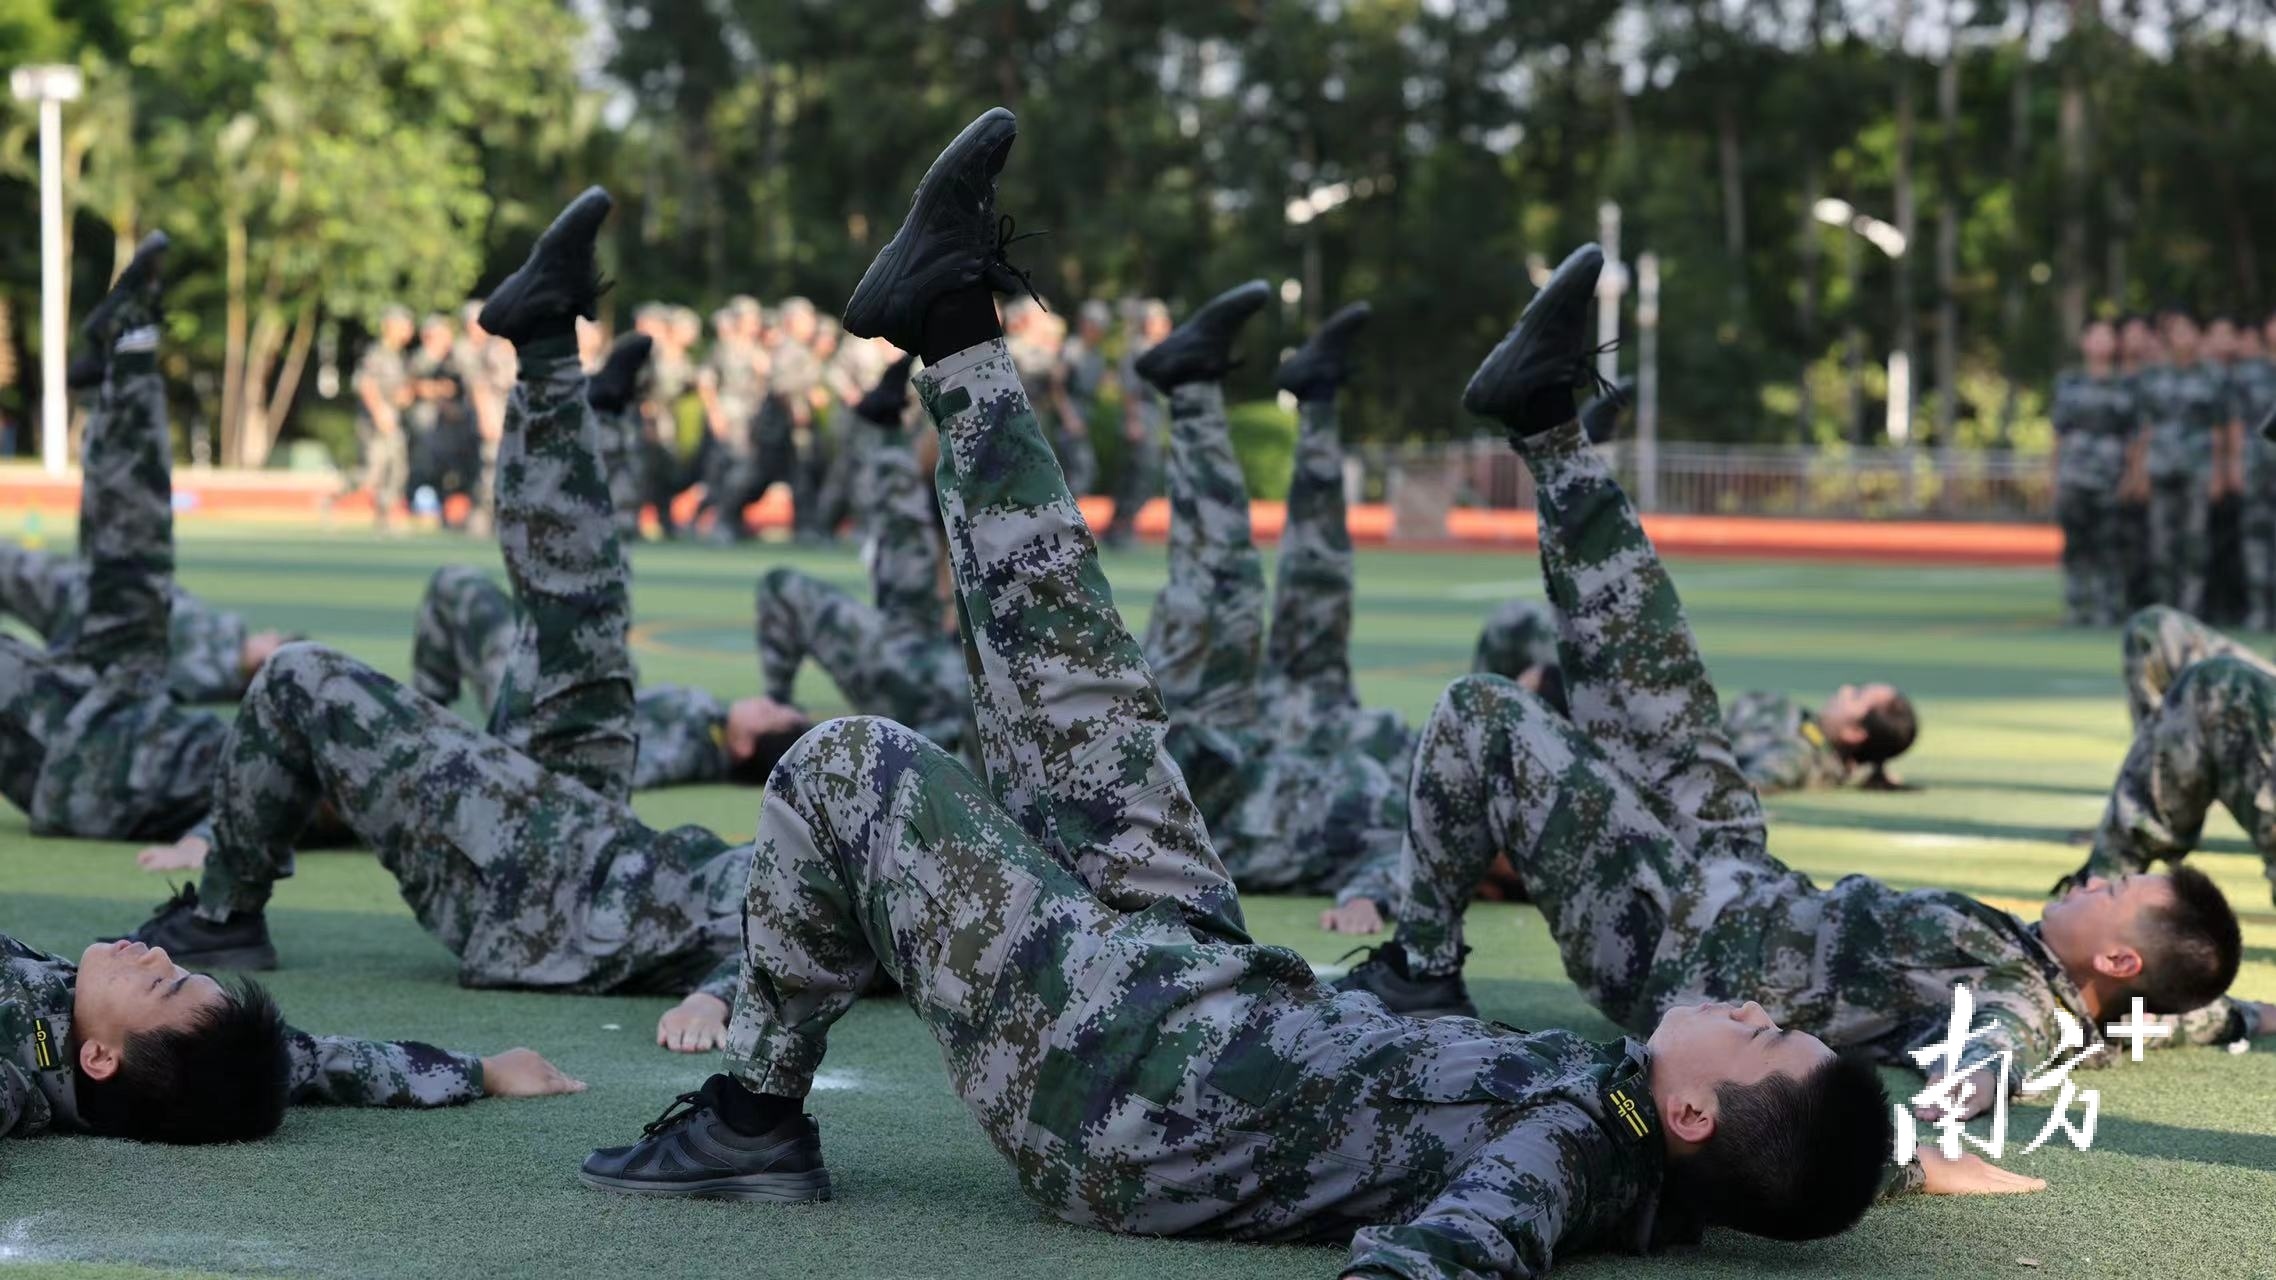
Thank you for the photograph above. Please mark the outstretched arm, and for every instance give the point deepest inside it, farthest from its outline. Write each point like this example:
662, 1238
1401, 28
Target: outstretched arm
345, 1072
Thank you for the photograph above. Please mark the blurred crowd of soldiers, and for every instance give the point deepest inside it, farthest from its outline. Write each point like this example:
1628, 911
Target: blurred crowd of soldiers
762, 399
2165, 488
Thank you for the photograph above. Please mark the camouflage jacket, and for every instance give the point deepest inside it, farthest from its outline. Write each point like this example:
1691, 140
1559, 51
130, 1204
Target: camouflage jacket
2184, 409
2252, 386
37, 1093
683, 737
2094, 421
121, 761
1779, 745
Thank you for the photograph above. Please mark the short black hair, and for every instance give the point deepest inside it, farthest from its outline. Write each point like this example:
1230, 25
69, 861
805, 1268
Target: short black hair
1792, 1158
223, 1078
2192, 948
752, 771
1889, 731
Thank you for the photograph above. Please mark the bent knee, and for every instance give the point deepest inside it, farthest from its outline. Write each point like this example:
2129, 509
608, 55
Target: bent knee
872, 747
2216, 684
303, 664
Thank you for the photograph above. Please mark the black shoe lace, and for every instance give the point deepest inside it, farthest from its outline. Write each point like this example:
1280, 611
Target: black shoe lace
1587, 378
185, 897
999, 256
673, 1115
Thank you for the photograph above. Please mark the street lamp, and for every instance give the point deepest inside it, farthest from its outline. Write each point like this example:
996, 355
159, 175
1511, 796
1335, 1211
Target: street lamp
1889, 240
51, 87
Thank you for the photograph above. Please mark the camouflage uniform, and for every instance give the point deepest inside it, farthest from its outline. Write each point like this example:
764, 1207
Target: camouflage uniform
2253, 383
664, 474
788, 418
889, 657
2160, 644
1779, 744
1070, 939
1141, 476
1519, 637
92, 742
486, 370
2094, 419
746, 462
206, 646
387, 455
623, 462
1303, 790
38, 1088
521, 856
1643, 844
2185, 409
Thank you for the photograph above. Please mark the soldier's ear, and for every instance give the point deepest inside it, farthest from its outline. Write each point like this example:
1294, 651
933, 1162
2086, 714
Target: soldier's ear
2119, 962
1690, 1119
97, 1060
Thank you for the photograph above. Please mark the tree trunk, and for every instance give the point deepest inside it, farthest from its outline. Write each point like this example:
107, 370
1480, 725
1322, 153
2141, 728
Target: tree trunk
1728, 159
1948, 245
288, 382
2072, 126
2017, 252
233, 337
1806, 299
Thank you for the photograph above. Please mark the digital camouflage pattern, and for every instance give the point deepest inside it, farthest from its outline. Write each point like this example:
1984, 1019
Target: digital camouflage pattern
525, 861
889, 657
1643, 844
387, 454
1038, 367
466, 636
2095, 419
1518, 637
2161, 643
1140, 477
1303, 791
2252, 384
2185, 408
1068, 937
624, 463
48, 593
1779, 745
38, 1091
92, 742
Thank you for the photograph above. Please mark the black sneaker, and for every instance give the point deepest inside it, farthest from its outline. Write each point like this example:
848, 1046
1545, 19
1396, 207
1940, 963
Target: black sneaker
1600, 417
1549, 349
886, 401
240, 942
1200, 350
132, 302
613, 384
692, 1152
1324, 363
559, 279
951, 239
1384, 973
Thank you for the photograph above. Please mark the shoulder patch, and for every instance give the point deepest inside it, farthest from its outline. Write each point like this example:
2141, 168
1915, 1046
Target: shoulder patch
45, 1050
1630, 1102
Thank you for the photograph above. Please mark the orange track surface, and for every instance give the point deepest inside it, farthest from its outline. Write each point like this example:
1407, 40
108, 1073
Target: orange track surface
297, 498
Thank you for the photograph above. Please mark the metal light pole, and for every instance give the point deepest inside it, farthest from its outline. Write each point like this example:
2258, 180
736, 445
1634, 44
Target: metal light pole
51, 87
1610, 284
1889, 240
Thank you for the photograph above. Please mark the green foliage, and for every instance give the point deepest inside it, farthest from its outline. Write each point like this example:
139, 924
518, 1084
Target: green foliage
1264, 435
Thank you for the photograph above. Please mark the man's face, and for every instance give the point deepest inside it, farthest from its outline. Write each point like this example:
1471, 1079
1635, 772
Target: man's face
1157, 327
2220, 341
2139, 342
127, 988
750, 719
2248, 344
2181, 335
1846, 710
2099, 342
436, 338
1699, 1048
799, 326
2100, 918
395, 331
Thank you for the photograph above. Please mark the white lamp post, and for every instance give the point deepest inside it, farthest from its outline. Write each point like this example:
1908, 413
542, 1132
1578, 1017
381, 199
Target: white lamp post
51, 87
1889, 240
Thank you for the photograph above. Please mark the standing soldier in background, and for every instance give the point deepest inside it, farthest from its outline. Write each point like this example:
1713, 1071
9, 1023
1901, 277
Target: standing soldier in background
2225, 585
485, 368
2186, 404
2094, 419
1144, 415
667, 376
383, 391
2254, 384
2139, 353
433, 420
732, 380
793, 393
1028, 334
857, 365
1077, 384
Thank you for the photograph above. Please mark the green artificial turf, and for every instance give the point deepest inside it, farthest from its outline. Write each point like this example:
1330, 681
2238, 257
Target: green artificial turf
2023, 728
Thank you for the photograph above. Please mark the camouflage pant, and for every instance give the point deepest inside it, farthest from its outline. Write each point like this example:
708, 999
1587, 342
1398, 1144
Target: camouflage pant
91, 741
1303, 788
881, 665
2134, 554
464, 636
622, 461
2259, 535
387, 470
1520, 636
522, 857
205, 653
2181, 546
1136, 484
1638, 783
2094, 579
2160, 644
2213, 738
1077, 460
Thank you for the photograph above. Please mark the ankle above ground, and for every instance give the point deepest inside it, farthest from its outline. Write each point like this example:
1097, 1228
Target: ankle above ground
958, 321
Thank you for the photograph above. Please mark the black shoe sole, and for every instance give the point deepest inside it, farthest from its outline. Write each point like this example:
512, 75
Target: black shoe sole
863, 316
262, 957
762, 1188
